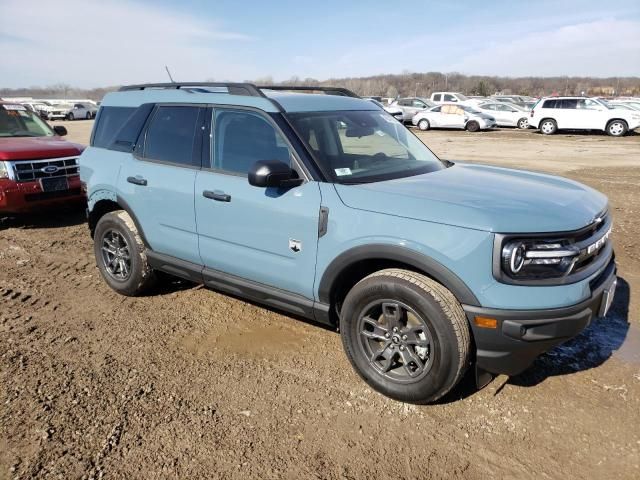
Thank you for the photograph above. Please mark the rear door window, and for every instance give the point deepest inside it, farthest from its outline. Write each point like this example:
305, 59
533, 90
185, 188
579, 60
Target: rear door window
450, 98
568, 104
171, 135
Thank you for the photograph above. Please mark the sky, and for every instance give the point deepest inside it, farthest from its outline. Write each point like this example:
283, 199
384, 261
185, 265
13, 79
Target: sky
94, 43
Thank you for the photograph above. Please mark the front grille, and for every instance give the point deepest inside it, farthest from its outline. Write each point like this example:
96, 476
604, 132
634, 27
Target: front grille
28, 171
36, 197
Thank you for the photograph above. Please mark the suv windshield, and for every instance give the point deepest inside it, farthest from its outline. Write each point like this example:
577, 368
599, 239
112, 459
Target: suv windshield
17, 121
363, 146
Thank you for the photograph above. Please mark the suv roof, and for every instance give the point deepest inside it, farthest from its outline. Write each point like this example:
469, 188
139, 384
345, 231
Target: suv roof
268, 98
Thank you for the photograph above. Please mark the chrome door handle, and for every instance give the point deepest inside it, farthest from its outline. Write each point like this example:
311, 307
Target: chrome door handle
217, 195
137, 181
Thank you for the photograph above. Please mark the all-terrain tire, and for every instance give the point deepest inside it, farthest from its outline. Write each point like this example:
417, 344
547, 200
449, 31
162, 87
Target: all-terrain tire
473, 126
443, 317
141, 276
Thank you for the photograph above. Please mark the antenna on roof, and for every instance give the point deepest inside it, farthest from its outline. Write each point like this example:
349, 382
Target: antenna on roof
169, 73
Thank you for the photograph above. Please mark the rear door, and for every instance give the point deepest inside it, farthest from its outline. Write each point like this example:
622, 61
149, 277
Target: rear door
157, 183
566, 114
265, 235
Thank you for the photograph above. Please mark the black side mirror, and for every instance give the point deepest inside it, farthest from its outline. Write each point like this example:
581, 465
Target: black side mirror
60, 130
273, 173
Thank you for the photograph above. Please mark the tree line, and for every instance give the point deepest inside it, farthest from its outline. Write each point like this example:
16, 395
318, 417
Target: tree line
405, 84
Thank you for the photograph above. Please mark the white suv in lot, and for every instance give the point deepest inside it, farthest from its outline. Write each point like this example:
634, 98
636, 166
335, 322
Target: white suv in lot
581, 113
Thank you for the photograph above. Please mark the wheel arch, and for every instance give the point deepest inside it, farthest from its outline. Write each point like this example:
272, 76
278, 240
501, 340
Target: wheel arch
111, 203
353, 265
546, 118
615, 119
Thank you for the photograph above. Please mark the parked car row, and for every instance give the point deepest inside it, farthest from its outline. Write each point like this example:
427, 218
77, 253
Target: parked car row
549, 114
61, 111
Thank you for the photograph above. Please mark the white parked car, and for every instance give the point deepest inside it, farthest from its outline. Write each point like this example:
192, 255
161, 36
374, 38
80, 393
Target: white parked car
39, 108
82, 111
625, 105
454, 116
453, 97
57, 112
411, 106
392, 110
581, 113
506, 115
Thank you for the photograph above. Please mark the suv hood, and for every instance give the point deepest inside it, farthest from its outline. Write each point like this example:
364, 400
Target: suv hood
483, 198
33, 148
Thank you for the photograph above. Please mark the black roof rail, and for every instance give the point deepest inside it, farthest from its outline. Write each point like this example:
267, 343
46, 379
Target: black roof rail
345, 92
246, 89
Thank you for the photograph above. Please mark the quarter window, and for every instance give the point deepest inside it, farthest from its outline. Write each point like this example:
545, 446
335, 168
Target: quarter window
171, 135
243, 138
109, 121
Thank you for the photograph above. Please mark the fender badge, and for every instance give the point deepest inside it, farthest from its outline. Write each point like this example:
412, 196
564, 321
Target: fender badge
295, 245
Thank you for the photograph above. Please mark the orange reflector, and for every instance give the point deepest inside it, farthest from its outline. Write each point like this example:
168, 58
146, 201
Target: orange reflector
486, 322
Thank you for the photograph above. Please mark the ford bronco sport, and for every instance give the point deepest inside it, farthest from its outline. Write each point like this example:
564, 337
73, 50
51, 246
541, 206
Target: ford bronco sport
38, 168
324, 206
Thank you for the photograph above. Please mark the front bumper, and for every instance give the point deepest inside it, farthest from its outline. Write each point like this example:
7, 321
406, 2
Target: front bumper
487, 124
522, 335
24, 197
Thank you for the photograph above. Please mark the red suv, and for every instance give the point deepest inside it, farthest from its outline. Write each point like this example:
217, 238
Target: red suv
38, 168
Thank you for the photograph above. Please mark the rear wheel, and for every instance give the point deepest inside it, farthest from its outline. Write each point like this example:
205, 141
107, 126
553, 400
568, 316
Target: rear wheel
70, 116
406, 335
523, 123
120, 254
617, 128
88, 116
473, 126
424, 124
548, 126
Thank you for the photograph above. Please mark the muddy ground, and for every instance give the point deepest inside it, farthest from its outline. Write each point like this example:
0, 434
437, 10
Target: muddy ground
190, 383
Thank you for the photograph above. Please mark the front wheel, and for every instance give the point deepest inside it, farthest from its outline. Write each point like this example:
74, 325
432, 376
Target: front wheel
473, 126
70, 116
424, 124
523, 123
406, 335
617, 128
88, 116
120, 254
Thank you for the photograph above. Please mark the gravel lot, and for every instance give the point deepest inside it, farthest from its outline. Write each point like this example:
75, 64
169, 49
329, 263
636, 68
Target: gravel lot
190, 383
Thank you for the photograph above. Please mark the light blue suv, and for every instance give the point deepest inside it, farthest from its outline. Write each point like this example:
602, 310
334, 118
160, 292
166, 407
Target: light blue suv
324, 206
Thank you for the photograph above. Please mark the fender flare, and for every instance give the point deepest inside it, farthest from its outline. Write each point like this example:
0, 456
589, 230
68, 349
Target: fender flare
419, 261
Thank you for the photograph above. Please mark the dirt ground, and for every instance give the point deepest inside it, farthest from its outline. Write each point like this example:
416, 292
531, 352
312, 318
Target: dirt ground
190, 383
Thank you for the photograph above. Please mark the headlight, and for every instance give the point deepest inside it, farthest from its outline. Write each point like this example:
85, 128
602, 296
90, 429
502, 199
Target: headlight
4, 173
525, 259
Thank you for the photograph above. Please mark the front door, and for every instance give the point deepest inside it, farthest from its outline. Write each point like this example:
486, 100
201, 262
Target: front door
266, 235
